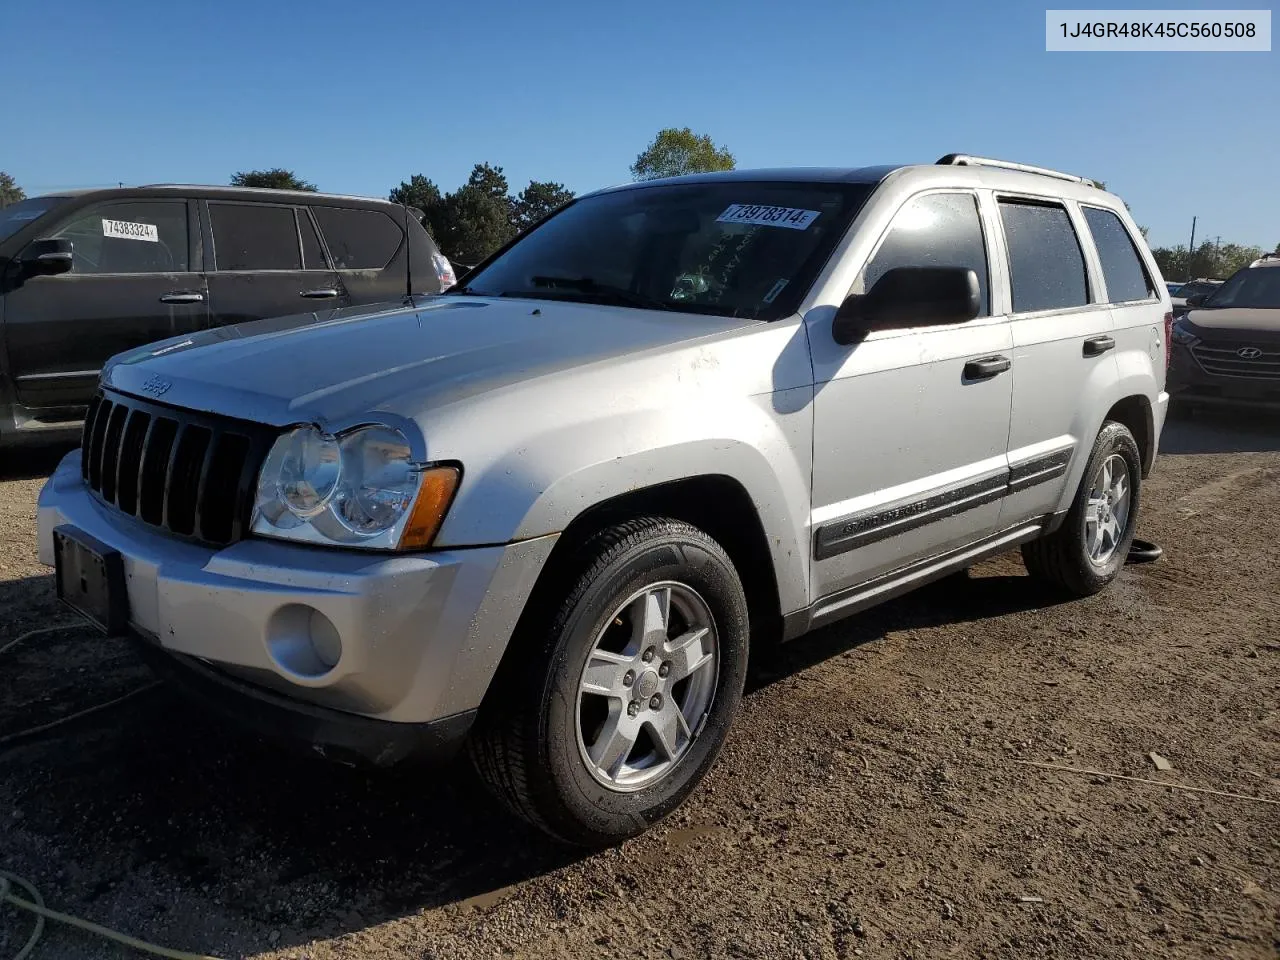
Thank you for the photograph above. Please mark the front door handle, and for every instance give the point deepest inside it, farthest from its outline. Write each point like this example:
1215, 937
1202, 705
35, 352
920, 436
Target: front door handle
321, 294
1097, 346
986, 368
183, 296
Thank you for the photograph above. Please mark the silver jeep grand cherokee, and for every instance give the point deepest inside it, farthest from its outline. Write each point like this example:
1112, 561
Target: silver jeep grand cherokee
548, 513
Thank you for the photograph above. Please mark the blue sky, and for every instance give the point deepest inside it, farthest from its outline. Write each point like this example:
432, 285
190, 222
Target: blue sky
357, 97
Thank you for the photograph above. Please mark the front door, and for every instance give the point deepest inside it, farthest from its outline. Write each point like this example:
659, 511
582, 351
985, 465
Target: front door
135, 278
267, 262
910, 425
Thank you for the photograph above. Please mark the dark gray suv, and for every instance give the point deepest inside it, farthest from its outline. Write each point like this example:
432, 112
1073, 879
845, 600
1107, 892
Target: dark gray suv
86, 275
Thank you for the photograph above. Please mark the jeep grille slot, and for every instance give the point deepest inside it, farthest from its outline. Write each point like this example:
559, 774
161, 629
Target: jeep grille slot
190, 474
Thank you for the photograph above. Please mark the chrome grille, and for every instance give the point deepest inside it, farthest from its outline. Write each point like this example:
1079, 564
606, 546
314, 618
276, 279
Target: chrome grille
190, 474
1224, 359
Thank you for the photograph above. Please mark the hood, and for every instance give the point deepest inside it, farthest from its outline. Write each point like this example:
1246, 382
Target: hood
334, 368
1245, 320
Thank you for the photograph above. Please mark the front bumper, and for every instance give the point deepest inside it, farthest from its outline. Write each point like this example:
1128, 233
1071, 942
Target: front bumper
420, 635
1191, 383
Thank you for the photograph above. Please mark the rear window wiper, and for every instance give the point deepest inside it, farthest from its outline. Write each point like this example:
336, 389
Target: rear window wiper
590, 287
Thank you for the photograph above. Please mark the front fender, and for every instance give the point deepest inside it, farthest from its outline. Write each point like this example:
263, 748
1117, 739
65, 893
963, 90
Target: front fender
540, 487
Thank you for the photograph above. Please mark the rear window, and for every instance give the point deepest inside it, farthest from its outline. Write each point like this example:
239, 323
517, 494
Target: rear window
358, 239
17, 215
1121, 266
1046, 266
253, 236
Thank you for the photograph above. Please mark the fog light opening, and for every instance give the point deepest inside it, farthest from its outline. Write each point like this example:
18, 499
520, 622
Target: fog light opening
303, 642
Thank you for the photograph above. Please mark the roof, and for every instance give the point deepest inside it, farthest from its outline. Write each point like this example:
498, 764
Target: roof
264, 193
780, 174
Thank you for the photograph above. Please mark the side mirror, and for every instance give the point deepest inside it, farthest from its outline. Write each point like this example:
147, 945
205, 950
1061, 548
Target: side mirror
909, 297
1197, 300
47, 258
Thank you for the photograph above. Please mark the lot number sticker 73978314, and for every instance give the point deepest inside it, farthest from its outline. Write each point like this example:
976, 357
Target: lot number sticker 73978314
124, 230
758, 214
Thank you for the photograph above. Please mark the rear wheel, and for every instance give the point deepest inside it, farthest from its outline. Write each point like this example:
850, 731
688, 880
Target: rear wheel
1086, 553
614, 709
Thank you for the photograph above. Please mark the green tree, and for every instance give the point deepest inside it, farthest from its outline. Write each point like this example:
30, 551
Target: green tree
10, 192
475, 219
536, 201
277, 178
1208, 260
677, 152
420, 192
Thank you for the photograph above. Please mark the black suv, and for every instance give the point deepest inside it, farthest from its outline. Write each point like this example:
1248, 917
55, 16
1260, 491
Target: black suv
86, 275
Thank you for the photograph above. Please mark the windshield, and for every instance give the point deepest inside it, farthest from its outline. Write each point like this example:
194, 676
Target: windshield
729, 248
17, 215
1251, 287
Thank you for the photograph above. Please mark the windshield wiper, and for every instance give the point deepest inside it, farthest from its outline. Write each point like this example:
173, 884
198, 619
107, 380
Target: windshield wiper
591, 288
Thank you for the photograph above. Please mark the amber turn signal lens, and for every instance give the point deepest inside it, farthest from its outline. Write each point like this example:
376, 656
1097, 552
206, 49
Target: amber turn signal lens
435, 493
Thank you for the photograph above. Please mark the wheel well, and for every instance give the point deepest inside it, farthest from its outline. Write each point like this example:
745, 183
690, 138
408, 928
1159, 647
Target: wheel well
717, 504
1135, 413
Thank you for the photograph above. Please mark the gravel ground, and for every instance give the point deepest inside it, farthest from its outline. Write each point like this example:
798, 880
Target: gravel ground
869, 802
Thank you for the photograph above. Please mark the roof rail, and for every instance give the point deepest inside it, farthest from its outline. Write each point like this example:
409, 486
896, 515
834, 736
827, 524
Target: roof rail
964, 160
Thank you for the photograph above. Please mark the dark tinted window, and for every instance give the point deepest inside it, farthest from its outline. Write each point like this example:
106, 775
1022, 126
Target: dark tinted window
1045, 262
730, 248
1121, 267
358, 239
17, 215
1257, 287
312, 255
936, 230
252, 236
131, 236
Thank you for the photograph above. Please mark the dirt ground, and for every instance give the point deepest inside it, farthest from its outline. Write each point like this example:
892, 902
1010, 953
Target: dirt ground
869, 802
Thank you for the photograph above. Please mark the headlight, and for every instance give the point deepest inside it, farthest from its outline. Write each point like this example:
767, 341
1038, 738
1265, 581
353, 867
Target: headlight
360, 489
1182, 335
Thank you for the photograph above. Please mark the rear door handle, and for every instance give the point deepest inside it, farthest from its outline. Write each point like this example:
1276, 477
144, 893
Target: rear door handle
179, 296
986, 368
1097, 346
320, 294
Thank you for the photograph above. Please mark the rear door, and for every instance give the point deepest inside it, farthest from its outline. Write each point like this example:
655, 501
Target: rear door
1064, 360
134, 279
267, 261
367, 249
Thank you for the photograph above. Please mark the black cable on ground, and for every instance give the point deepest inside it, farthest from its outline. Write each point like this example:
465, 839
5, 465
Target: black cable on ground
1144, 551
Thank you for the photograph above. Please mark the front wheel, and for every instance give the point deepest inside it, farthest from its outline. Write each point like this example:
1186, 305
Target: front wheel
1086, 553
614, 710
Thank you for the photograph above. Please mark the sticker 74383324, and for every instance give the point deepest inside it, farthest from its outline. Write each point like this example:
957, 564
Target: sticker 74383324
124, 230
758, 214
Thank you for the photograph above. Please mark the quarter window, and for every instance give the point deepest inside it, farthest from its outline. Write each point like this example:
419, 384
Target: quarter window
934, 230
358, 239
1121, 266
249, 236
131, 236
1046, 266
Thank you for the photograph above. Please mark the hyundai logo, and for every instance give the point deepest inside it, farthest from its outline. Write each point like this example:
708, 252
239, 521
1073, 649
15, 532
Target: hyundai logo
1248, 353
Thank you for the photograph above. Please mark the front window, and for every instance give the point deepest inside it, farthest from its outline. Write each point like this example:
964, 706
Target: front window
17, 215
1257, 287
729, 248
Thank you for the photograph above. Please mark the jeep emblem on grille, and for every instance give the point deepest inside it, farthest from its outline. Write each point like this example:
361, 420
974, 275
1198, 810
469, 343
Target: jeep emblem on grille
157, 386
1248, 353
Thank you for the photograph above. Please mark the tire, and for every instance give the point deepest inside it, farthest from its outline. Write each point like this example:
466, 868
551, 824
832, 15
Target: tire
540, 734
1063, 559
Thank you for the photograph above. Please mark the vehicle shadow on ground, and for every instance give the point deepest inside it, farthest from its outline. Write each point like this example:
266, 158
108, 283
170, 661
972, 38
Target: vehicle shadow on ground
156, 789
31, 463
1222, 431
960, 598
